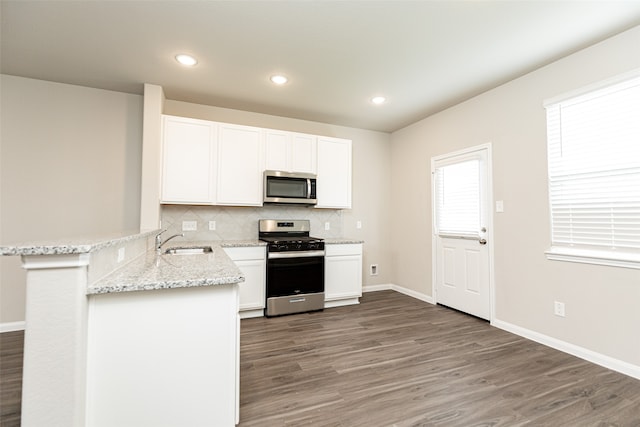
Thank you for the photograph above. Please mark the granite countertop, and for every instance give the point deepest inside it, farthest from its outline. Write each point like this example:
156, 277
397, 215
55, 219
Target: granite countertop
80, 245
240, 243
342, 241
152, 271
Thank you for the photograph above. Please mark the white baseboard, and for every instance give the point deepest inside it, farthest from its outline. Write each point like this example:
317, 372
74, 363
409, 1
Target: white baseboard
342, 302
376, 288
406, 291
581, 352
249, 314
12, 326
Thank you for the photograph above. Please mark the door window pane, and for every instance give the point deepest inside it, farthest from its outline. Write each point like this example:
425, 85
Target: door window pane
457, 207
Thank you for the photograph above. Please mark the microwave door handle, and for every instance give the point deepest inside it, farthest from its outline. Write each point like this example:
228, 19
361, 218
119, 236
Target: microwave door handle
308, 188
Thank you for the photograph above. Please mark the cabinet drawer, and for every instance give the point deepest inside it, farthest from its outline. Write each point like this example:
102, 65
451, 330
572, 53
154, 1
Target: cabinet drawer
347, 249
246, 253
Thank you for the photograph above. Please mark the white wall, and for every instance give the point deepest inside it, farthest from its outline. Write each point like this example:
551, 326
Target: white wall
371, 172
601, 302
70, 166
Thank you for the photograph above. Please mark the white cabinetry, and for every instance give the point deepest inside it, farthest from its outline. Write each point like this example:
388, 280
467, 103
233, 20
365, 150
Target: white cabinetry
163, 358
342, 274
240, 166
188, 159
334, 173
290, 151
213, 163
252, 262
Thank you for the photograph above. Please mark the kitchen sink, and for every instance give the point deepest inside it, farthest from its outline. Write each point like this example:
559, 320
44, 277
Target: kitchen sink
195, 250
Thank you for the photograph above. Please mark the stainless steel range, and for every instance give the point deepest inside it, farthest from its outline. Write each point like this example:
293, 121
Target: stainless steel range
295, 267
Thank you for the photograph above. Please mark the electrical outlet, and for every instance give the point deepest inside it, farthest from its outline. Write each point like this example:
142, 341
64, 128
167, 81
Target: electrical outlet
189, 225
212, 225
120, 254
358, 224
558, 308
327, 226
373, 270
499, 206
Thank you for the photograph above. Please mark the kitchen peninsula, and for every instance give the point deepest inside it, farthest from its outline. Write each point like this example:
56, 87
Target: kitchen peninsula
119, 335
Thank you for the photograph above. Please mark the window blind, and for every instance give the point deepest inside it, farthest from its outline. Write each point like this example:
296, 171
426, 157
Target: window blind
457, 188
594, 169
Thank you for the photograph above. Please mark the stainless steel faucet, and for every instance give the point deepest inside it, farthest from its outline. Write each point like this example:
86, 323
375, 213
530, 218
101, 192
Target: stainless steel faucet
160, 243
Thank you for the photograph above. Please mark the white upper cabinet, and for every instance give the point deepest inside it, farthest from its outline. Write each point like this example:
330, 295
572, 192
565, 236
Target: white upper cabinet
240, 165
277, 150
188, 159
303, 153
334, 173
211, 163
290, 151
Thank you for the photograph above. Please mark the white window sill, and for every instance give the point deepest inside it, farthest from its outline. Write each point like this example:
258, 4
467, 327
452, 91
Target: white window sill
585, 256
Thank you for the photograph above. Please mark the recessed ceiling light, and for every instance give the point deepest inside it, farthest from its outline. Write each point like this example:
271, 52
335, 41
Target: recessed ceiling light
187, 60
378, 100
279, 80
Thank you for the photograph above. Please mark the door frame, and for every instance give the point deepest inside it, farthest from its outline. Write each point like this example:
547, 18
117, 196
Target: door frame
490, 233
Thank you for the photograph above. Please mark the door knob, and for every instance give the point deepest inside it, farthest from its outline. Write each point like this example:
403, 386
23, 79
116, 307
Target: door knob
482, 241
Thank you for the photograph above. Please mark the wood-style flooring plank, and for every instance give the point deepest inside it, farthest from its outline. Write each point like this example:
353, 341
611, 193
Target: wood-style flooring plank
11, 352
397, 361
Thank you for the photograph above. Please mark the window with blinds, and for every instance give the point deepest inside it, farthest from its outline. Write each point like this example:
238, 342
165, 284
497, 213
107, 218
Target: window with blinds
594, 173
457, 198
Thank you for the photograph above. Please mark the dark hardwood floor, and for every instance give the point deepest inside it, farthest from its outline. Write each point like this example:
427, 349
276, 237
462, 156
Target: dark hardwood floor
396, 361
11, 346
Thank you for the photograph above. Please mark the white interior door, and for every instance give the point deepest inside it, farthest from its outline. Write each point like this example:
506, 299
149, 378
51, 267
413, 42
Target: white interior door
461, 222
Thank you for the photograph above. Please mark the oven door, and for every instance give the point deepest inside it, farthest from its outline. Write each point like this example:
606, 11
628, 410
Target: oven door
295, 282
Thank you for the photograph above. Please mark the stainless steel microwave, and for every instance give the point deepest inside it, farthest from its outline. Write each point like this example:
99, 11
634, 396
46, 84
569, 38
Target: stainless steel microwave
289, 188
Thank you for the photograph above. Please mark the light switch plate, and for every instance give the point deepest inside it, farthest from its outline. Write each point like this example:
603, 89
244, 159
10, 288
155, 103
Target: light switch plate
189, 225
358, 224
558, 308
327, 226
499, 206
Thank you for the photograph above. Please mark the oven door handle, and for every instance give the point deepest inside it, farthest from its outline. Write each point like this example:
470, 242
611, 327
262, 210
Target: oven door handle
295, 254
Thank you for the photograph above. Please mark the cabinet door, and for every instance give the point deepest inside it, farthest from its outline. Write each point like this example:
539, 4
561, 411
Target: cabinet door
188, 155
252, 262
290, 152
277, 149
303, 153
343, 277
252, 290
239, 166
334, 173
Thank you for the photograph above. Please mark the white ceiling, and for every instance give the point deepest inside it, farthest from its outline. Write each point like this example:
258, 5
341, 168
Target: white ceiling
423, 56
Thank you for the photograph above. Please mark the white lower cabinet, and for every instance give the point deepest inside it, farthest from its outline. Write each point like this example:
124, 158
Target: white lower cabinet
342, 274
163, 358
252, 262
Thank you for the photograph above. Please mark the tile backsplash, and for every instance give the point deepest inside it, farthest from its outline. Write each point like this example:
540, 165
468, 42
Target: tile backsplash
241, 223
